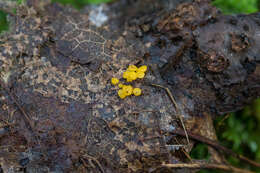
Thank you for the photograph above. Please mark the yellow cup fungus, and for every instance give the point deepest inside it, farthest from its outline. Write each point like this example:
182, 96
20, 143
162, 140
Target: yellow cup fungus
121, 94
132, 68
120, 85
143, 68
137, 91
140, 75
132, 73
114, 81
128, 89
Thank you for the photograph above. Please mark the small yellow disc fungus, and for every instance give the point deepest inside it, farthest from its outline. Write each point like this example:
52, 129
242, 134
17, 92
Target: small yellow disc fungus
121, 93
114, 81
140, 75
137, 91
125, 74
120, 85
132, 75
143, 68
132, 68
128, 89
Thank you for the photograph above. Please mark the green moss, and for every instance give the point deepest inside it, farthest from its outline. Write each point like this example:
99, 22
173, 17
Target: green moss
241, 132
200, 151
236, 6
3, 21
80, 3
20, 1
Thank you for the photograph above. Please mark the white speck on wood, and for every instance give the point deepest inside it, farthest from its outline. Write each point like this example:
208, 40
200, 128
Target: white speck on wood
97, 15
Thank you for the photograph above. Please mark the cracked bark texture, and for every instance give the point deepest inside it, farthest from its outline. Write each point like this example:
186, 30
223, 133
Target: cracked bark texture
57, 63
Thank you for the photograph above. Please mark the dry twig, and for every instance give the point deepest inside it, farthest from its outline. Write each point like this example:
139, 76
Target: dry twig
178, 112
207, 166
86, 156
220, 123
216, 145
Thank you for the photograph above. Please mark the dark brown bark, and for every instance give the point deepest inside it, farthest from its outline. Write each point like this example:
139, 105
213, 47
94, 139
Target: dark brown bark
208, 57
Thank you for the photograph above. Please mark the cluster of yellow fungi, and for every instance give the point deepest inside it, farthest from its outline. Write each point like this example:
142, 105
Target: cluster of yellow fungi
132, 73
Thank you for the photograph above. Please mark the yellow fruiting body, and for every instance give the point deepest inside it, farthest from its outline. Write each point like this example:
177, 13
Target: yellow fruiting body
137, 91
143, 69
133, 73
132, 76
120, 85
114, 81
128, 89
132, 68
121, 93
125, 74
140, 75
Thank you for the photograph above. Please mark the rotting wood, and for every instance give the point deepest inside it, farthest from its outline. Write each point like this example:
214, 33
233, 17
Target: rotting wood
209, 61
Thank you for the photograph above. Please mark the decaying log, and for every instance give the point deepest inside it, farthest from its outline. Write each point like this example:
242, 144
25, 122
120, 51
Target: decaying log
56, 64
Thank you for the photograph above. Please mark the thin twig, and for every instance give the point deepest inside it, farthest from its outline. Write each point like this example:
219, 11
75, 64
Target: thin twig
183, 150
141, 111
176, 107
223, 119
95, 160
216, 145
207, 166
